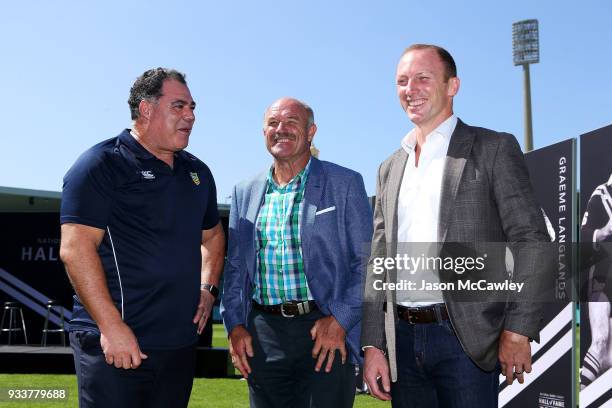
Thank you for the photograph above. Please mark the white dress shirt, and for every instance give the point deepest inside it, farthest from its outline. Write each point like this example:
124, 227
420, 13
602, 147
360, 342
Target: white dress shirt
419, 207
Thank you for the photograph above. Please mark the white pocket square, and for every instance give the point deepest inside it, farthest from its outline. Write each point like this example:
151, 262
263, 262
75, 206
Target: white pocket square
323, 211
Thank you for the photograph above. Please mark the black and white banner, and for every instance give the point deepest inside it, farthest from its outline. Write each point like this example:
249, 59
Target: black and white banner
595, 271
550, 384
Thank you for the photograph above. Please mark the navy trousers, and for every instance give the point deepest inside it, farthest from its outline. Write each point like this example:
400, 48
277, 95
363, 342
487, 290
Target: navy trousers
283, 368
163, 380
434, 371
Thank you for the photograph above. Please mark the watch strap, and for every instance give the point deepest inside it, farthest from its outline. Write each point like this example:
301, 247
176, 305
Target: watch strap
211, 288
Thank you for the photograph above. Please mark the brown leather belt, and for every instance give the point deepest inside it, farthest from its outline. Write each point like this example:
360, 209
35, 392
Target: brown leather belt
419, 315
288, 309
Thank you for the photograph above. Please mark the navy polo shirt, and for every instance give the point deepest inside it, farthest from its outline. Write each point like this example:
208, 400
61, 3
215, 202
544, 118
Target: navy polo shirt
153, 217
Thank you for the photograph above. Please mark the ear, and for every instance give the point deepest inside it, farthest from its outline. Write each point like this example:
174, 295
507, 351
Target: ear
453, 86
311, 132
145, 109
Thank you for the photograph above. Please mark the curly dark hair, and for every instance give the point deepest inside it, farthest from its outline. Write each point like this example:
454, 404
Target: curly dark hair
148, 86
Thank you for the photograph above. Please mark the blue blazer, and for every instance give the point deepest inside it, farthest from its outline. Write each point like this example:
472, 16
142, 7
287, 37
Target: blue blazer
336, 229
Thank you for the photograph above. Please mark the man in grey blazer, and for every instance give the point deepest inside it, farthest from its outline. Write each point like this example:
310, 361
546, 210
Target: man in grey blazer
449, 183
298, 246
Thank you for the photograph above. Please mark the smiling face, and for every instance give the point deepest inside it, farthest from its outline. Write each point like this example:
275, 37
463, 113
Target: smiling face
287, 131
425, 93
169, 119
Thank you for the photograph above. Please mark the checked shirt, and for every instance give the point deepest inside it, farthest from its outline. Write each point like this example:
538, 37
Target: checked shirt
281, 276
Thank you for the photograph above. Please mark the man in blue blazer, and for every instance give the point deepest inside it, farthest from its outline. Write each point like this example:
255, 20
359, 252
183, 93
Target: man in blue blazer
296, 259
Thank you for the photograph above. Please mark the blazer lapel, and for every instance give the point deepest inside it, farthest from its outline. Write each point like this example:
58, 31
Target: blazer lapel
257, 192
458, 152
312, 197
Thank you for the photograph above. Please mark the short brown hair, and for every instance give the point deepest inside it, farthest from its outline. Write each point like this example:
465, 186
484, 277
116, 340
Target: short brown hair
450, 68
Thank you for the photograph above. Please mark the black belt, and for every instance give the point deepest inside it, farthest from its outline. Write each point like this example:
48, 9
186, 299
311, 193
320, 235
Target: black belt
288, 309
419, 315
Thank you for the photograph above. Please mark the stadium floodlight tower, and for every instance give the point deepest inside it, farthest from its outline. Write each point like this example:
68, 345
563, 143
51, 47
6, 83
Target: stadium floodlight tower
526, 50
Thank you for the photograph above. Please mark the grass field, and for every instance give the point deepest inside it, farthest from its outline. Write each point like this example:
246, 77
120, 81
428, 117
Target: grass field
214, 393
219, 337
221, 393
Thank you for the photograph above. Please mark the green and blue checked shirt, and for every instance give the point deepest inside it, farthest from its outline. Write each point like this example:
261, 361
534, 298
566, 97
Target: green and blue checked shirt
281, 276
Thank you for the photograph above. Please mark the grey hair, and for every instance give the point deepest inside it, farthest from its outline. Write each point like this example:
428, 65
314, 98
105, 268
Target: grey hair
149, 85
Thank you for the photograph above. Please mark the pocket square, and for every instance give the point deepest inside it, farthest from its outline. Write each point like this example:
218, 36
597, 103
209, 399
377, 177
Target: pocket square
323, 211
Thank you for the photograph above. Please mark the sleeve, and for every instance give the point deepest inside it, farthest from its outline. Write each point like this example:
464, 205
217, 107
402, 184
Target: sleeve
87, 193
373, 315
358, 221
234, 275
211, 217
525, 230
595, 217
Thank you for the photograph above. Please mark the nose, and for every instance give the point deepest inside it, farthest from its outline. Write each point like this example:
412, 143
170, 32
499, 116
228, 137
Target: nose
189, 114
280, 127
409, 87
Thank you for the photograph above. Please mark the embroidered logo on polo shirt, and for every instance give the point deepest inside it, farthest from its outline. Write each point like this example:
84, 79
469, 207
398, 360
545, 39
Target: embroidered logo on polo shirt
147, 175
195, 178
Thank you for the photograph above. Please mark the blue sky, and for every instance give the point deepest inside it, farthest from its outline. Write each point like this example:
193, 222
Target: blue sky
67, 68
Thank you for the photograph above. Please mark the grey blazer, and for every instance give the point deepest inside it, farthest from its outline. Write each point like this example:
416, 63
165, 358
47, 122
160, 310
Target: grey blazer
486, 197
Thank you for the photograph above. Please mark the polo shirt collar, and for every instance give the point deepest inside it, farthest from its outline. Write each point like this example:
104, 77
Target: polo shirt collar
135, 147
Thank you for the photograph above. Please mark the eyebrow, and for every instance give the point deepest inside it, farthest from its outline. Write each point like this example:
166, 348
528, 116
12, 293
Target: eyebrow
184, 102
416, 73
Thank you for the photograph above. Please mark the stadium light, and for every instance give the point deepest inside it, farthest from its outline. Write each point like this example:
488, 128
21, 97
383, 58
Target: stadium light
526, 50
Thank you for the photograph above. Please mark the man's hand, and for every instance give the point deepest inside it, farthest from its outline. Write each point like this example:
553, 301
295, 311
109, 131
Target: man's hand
328, 336
120, 347
207, 300
604, 233
514, 356
213, 251
375, 367
240, 347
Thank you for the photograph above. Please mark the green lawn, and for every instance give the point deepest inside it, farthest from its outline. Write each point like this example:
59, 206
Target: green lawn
221, 393
217, 393
219, 337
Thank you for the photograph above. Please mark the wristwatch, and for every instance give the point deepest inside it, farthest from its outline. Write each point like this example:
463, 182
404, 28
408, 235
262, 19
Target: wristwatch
211, 288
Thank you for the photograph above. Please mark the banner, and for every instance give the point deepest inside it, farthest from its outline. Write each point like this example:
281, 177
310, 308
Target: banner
32, 273
595, 262
551, 382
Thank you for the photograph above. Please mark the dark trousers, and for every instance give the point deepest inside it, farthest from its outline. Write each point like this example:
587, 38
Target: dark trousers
283, 368
434, 371
163, 380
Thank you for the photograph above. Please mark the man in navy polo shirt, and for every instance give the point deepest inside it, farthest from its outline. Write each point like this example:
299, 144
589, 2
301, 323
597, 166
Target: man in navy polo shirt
143, 247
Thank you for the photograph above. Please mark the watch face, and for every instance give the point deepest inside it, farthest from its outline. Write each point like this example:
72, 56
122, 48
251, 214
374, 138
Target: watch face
211, 288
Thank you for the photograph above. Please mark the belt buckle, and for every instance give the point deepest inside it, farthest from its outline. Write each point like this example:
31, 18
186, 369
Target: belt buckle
282, 309
410, 317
